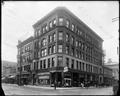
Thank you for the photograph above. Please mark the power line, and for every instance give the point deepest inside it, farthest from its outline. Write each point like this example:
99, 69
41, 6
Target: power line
94, 22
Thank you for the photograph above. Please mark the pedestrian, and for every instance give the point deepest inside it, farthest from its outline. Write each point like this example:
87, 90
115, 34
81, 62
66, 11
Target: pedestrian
55, 84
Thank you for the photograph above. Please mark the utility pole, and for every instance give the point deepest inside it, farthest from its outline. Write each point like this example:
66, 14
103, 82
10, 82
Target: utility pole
20, 69
114, 20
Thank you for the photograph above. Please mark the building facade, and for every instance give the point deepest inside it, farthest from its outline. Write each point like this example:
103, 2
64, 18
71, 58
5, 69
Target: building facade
65, 50
115, 70
108, 76
24, 59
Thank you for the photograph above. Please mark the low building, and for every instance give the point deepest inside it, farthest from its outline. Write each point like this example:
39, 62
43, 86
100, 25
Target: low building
115, 69
108, 77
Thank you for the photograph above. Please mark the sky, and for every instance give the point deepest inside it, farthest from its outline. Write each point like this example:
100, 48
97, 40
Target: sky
19, 16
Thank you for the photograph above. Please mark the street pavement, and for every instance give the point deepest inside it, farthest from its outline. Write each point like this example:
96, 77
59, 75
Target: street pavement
13, 89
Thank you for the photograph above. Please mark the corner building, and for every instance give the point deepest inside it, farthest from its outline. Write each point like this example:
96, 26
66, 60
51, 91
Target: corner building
65, 50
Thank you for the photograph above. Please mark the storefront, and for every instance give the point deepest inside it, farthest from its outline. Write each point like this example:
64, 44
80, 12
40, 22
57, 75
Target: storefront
67, 79
43, 78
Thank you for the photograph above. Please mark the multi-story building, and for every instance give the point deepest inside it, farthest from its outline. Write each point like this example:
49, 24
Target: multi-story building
108, 76
115, 69
66, 50
24, 59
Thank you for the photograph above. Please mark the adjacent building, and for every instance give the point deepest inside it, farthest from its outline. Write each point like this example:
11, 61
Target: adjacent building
24, 59
63, 49
108, 77
115, 69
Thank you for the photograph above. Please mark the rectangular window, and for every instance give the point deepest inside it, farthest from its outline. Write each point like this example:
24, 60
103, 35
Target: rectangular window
77, 53
49, 50
44, 42
54, 36
50, 38
67, 49
44, 63
60, 35
77, 64
40, 64
67, 23
72, 65
60, 48
45, 52
80, 65
72, 51
48, 62
54, 22
73, 27
67, 37
87, 67
60, 60
72, 40
53, 49
83, 67
60, 21
51, 25
76, 43
46, 27
43, 29
41, 52
67, 62
53, 61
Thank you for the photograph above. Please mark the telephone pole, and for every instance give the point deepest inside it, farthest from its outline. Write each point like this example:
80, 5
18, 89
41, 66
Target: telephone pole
114, 20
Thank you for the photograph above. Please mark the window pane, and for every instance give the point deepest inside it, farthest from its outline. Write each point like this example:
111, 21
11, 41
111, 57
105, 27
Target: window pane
60, 21
51, 25
53, 48
67, 37
60, 60
45, 52
59, 48
53, 61
67, 23
54, 37
67, 62
54, 21
44, 63
67, 49
60, 34
49, 50
48, 62
73, 27
72, 65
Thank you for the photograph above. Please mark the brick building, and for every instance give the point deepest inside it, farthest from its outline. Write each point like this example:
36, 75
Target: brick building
24, 59
66, 50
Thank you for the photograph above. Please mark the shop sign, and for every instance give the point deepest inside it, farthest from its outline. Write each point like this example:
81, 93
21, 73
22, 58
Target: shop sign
45, 73
43, 77
65, 69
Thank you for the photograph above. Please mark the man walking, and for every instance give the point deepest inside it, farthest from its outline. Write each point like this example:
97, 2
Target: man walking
55, 84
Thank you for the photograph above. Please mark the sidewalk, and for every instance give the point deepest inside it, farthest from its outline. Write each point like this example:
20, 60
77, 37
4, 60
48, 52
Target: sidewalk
48, 87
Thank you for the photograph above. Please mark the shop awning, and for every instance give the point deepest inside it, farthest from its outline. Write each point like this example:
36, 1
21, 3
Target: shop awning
43, 77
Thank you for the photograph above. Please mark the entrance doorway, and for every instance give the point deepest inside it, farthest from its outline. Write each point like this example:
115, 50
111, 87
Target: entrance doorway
67, 82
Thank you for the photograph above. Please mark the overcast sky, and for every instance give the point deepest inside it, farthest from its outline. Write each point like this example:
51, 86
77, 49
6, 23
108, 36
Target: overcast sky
18, 18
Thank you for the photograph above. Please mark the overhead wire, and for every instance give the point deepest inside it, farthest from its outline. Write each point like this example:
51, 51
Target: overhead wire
95, 23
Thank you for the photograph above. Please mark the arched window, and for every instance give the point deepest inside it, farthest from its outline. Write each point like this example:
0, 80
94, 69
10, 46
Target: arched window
44, 42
